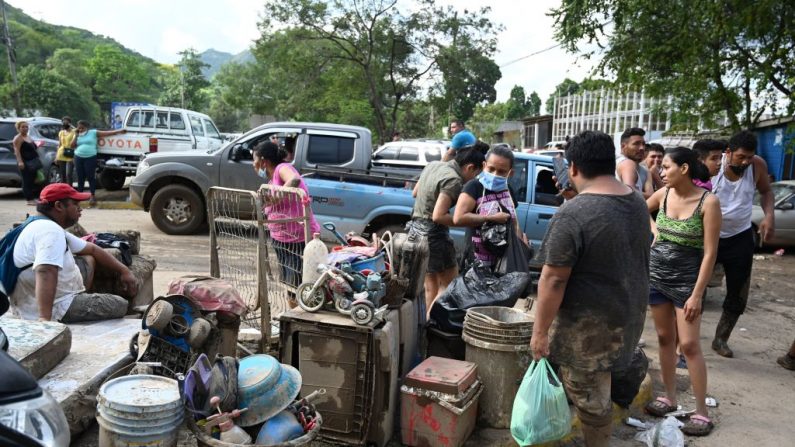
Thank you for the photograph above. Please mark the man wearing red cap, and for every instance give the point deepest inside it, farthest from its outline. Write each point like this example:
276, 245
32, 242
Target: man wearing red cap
50, 285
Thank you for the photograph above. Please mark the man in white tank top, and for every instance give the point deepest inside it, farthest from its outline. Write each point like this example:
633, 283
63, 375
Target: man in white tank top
741, 174
629, 169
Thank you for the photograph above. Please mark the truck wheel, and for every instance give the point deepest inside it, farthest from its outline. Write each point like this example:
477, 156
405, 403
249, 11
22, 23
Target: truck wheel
112, 179
177, 209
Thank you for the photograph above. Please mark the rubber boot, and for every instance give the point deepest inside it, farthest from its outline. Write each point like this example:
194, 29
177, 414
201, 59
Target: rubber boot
722, 332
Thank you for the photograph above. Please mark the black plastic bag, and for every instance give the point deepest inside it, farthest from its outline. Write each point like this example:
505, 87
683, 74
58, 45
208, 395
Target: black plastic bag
625, 383
496, 237
516, 257
477, 287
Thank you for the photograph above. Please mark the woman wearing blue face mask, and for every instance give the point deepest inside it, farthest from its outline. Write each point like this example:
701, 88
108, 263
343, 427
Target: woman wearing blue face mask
487, 198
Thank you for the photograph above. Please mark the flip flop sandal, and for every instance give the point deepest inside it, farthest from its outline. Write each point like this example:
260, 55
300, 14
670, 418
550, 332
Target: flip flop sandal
660, 407
698, 425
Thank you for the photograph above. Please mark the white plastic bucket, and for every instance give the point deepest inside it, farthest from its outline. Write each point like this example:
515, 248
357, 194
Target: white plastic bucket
140, 410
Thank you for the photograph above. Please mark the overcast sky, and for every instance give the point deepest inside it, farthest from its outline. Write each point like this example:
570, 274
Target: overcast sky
160, 29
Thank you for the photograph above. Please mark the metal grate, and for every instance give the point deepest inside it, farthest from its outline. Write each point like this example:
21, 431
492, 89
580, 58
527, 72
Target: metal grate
256, 243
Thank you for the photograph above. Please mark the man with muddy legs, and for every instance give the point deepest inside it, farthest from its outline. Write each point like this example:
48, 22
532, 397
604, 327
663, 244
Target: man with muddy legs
594, 283
741, 174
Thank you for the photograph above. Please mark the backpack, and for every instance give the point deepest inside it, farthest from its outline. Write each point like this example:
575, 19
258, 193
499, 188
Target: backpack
9, 272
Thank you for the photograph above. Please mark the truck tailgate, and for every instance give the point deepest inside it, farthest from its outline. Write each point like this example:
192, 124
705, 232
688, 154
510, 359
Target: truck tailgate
124, 144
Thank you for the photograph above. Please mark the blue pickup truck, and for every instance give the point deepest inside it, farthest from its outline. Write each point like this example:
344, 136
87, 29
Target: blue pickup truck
335, 162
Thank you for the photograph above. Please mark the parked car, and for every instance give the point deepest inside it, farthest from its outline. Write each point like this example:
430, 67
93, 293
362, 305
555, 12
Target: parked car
411, 154
172, 185
44, 132
784, 214
334, 160
153, 129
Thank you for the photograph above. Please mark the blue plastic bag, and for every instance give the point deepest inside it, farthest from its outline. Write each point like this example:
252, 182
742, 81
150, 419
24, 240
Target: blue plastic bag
540, 410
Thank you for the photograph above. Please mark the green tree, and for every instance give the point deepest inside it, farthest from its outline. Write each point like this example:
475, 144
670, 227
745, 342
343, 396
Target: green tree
520, 106
533, 104
390, 49
729, 57
565, 88
487, 118
184, 84
51, 94
468, 79
118, 77
71, 64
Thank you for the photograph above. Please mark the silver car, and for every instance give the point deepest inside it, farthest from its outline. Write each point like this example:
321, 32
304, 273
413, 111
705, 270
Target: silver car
784, 203
44, 132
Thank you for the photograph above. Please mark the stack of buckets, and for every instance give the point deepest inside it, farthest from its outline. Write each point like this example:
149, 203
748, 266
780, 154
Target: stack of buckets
498, 340
139, 410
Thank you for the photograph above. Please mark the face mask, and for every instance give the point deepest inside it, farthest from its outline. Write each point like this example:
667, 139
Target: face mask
493, 182
66, 126
262, 173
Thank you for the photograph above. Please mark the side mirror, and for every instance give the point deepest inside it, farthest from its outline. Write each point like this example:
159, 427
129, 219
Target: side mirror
786, 206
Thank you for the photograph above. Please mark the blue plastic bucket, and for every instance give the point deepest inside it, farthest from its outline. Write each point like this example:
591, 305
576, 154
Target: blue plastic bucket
375, 264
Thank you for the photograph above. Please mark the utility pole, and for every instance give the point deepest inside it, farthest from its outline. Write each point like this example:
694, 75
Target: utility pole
12, 59
181, 87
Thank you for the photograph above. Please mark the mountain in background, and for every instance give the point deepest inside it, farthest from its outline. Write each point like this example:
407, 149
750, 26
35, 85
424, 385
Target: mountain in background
215, 59
35, 40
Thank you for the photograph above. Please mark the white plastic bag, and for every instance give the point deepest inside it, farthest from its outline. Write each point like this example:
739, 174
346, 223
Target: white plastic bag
665, 433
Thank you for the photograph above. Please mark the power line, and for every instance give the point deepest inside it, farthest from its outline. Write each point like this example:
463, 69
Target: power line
531, 54
546, 49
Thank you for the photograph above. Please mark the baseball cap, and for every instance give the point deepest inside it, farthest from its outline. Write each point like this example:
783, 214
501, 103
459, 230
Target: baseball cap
59, 191
462, 139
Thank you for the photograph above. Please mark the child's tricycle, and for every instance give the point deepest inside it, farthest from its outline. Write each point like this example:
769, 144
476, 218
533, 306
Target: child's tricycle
350, 292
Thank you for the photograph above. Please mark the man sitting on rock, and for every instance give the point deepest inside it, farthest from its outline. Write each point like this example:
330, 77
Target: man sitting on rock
52, 281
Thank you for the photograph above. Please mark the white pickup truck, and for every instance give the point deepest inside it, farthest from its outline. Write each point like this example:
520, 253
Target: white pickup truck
153, 129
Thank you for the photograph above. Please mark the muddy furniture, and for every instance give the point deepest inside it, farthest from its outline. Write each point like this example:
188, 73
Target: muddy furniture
37, 345
358, 367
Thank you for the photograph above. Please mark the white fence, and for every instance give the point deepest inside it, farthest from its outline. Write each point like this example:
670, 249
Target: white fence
610, 112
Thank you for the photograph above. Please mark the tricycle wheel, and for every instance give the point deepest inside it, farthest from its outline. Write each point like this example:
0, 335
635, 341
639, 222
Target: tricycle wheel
310, 302
362, 313
342, 305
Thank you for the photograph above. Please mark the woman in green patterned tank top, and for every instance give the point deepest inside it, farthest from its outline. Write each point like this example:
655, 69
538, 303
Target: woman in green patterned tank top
686, 232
